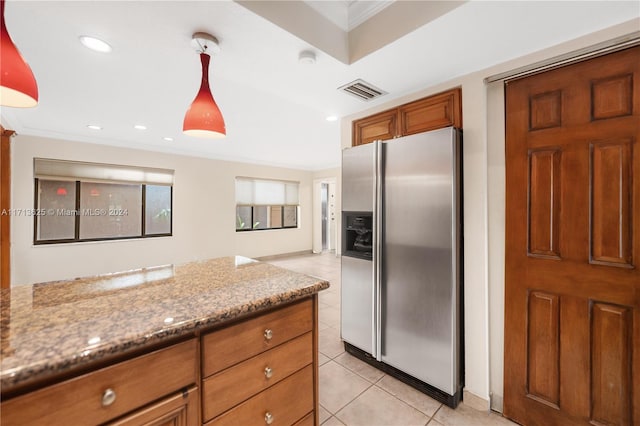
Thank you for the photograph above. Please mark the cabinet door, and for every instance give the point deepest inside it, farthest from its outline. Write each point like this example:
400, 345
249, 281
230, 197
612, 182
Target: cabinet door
181, 409
434, 112
380, 126
108, 393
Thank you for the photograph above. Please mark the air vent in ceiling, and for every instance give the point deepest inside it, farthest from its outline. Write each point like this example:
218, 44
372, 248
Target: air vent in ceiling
362, 90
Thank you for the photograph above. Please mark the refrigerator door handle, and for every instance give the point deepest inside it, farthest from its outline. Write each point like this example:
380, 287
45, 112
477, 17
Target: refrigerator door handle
377, 287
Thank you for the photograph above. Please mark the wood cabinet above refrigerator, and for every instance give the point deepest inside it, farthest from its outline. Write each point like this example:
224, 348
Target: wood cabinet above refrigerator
430, 113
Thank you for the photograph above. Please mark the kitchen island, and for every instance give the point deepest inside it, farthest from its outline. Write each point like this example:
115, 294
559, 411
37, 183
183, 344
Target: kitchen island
221, 341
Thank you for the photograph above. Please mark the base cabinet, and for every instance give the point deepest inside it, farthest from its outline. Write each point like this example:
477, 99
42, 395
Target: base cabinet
180, 409
275, 355
108, 393
261, 370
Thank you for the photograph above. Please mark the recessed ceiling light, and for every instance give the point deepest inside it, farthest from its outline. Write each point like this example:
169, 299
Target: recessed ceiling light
168, 139
140, 127
332, 118
95, 44
94, 127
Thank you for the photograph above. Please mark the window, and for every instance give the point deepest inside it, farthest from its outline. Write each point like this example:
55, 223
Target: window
88, 201
266, 204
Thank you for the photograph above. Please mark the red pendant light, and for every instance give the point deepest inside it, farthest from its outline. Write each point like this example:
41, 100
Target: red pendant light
18, 87
204, 119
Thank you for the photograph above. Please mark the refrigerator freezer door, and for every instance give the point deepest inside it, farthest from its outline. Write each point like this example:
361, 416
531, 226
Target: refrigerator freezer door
358, 178
356, 323
419, 272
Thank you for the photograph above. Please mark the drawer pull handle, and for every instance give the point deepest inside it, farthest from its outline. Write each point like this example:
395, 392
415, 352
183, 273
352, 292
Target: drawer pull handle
268, 418
268, 334
268, 372
108, 397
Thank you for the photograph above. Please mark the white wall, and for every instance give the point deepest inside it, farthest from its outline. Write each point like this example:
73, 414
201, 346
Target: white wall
203, 214
483, 168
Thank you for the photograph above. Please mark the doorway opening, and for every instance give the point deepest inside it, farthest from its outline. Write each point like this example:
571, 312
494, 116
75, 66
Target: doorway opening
324, 215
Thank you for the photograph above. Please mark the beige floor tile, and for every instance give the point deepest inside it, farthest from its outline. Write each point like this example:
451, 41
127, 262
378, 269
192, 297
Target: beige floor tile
359, 367
376, 407
323, 326
410, 395
329, 297
329, 342
333, 422
339, 386
323, 359
324, 414
330, 315
467, 416
434, 422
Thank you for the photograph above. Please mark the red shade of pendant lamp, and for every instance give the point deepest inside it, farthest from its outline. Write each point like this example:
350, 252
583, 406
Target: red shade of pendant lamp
61, 191
18, 87
204, 119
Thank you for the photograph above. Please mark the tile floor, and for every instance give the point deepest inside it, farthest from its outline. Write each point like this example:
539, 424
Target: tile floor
354, 393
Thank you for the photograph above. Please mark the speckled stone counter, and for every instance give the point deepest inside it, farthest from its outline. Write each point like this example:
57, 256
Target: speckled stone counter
54, 328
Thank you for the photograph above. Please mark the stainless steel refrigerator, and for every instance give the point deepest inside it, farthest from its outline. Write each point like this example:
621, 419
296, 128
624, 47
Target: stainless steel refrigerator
401, 259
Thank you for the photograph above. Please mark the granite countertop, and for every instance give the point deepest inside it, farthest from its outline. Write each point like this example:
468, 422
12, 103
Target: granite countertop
54, 328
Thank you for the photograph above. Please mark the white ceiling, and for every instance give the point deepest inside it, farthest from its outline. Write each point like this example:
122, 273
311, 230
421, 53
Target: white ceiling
274, 107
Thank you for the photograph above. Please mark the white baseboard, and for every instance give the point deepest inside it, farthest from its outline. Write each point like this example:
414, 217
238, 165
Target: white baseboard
278, 256
474, 401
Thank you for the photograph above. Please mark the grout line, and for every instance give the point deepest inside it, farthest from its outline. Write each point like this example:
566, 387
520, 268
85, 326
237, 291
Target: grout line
407, 404
354, 398
355, 372
433, 417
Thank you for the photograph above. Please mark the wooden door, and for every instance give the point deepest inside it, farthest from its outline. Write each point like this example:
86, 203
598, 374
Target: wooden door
572, 321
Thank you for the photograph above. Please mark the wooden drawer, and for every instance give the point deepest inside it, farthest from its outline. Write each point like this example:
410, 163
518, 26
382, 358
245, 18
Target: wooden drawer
240, 382
231, 345
308, 420
78, 401
287, 402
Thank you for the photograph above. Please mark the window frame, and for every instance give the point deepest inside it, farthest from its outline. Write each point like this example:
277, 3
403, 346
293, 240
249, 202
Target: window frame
77, 239
253, 206
253, 202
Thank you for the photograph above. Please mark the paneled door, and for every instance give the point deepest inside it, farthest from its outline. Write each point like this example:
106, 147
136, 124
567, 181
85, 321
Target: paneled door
572, 320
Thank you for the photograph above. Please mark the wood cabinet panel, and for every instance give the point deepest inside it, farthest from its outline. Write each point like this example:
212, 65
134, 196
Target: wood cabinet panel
284, 403
434, 112
381, 126
231, 345
431, 113
180, 409
5, 204
135, 382
307, 420
224, 390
